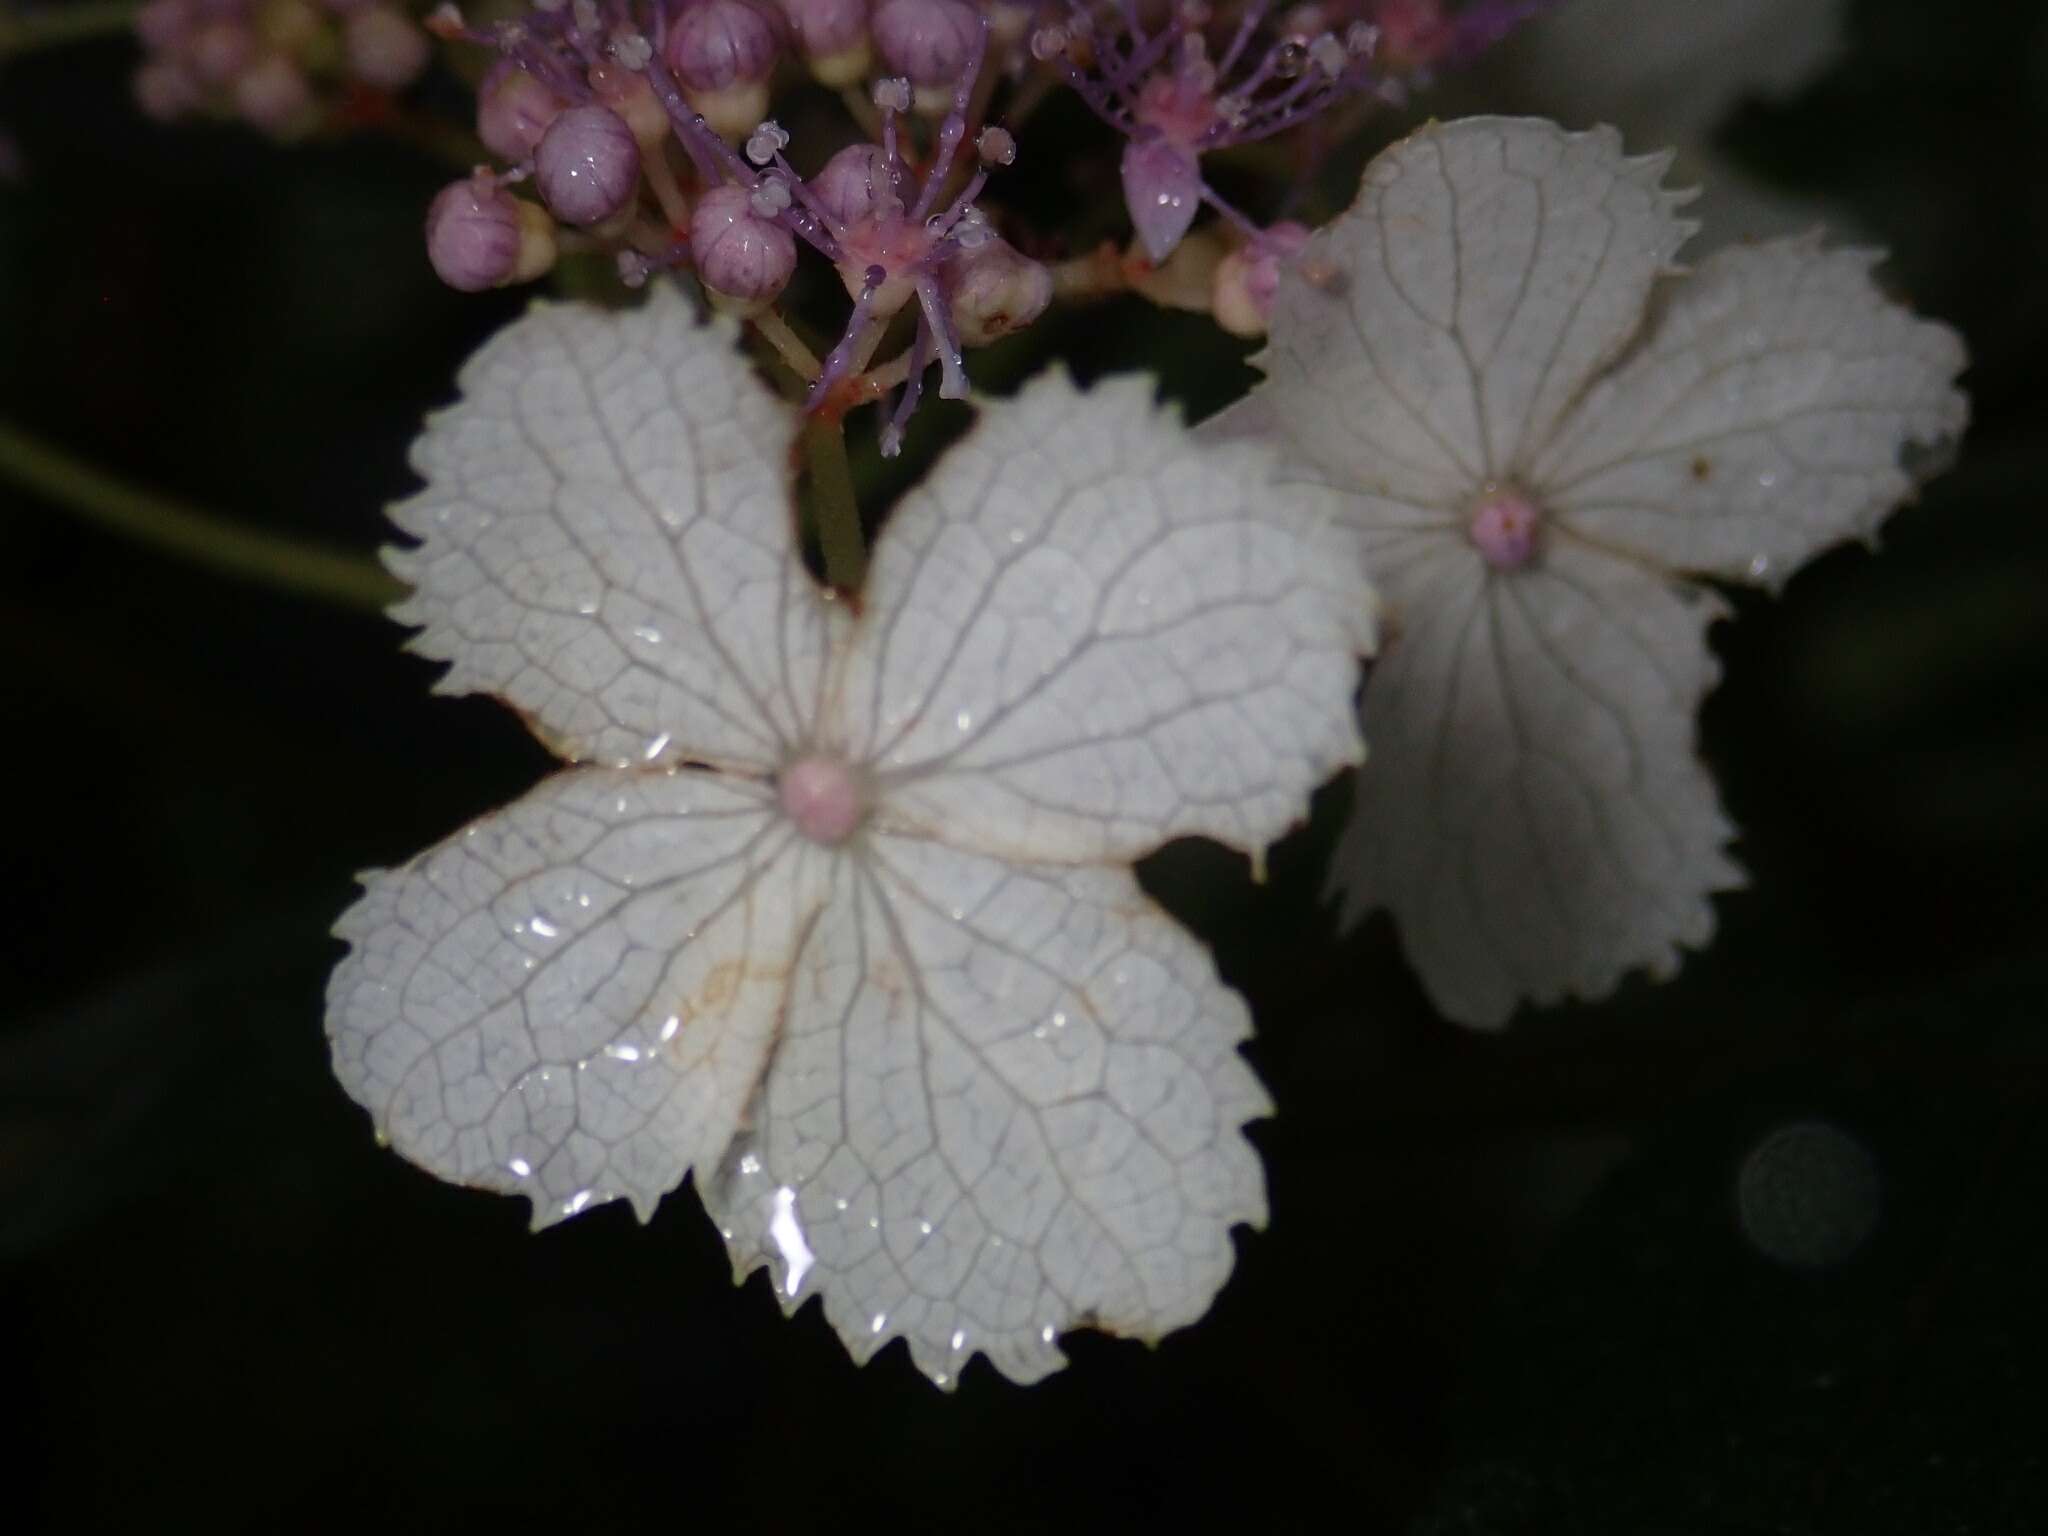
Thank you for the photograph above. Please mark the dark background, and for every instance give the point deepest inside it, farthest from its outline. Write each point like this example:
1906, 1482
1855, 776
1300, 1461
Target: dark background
1507, 1285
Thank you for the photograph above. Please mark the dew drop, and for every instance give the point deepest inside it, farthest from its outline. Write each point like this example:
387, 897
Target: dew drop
880, 1322
520, 1166
750, 1164
959, 1338
964, 721
544, 928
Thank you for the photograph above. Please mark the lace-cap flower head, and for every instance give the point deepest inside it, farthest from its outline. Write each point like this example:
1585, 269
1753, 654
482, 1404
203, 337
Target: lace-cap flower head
833, 910
1548, 436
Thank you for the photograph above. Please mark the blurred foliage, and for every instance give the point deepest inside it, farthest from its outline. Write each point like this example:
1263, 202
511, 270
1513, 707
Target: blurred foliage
1507, 1285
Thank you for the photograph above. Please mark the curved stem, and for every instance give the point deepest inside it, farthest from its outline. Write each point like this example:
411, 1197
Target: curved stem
351, 581
51, 26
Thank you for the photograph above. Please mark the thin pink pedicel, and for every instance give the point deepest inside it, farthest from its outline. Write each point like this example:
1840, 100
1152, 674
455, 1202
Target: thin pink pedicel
824, 799
1505, 525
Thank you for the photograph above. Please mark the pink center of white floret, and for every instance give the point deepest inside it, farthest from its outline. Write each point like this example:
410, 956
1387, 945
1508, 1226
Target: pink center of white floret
823, 797
1504, 526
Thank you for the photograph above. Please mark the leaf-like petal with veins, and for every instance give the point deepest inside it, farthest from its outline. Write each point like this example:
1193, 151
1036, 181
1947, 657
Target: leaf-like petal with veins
606, 542
1537, 819
1486, 271
1087, 636
1008, 1104
1488, 322
945, 1061
573, 998
1761, 419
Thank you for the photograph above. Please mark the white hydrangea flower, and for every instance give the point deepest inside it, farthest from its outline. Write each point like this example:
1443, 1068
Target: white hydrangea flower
1548, 436
834, 911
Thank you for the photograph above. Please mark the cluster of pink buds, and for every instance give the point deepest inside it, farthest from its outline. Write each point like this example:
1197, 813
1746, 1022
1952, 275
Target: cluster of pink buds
280, 65
638, 129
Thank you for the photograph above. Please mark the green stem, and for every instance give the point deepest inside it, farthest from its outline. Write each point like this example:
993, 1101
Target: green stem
352, 581
834, 504
51, 26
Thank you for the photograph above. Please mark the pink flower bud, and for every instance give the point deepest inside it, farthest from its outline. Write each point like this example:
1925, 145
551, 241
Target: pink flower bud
739, 254
853, 186
162, 24
473, 234
723, 52
384, 48
219, 51
480, 236
165, 90
1162, 188
717, 43
833, 36
1246, 280
993, 290
587, 165
513, 109
272, 94
930, 41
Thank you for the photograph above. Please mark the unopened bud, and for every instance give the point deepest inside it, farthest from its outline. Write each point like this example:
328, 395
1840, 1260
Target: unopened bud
853, 185
480, 236
384, 48
587, 165
723, 52
740, 256
992, 290
1242, 291
513, 109
929, 42
833, 38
